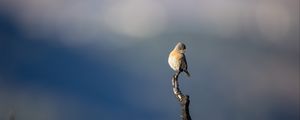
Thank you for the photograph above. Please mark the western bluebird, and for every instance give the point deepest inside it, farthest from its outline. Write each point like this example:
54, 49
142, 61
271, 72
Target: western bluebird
177, 59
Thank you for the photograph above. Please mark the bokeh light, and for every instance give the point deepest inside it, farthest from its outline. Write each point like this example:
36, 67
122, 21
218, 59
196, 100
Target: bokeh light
103, 59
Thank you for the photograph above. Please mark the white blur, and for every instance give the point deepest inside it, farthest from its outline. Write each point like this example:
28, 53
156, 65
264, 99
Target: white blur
136, 18
81, 23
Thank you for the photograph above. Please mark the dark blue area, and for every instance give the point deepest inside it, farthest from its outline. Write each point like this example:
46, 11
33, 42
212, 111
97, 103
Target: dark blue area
46, 66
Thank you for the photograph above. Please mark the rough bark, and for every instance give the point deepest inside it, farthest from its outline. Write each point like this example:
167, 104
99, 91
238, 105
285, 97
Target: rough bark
184, 100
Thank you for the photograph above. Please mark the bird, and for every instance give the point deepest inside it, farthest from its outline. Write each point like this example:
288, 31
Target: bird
177, 60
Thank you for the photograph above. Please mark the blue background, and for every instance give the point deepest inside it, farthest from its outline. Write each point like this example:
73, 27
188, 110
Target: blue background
74, 60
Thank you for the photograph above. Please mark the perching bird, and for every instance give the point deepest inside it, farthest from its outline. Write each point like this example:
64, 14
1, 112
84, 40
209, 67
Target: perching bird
177, 59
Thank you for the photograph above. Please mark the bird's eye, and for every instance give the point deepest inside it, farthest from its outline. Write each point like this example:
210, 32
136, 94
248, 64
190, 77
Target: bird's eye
182, 47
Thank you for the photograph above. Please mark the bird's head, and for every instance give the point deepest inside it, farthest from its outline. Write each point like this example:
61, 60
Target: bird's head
180, 47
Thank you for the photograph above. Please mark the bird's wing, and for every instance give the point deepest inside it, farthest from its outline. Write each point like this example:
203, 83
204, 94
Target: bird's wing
183, 64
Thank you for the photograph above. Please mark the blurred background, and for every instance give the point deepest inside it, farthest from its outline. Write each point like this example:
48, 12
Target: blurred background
107, 60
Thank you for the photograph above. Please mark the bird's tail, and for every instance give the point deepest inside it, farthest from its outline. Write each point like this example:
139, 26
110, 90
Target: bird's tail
187, 73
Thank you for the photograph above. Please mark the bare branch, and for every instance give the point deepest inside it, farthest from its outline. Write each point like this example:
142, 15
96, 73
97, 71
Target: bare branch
183, 99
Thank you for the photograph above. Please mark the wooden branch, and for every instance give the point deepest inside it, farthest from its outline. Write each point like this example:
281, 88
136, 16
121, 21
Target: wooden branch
183, 99
12, 115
